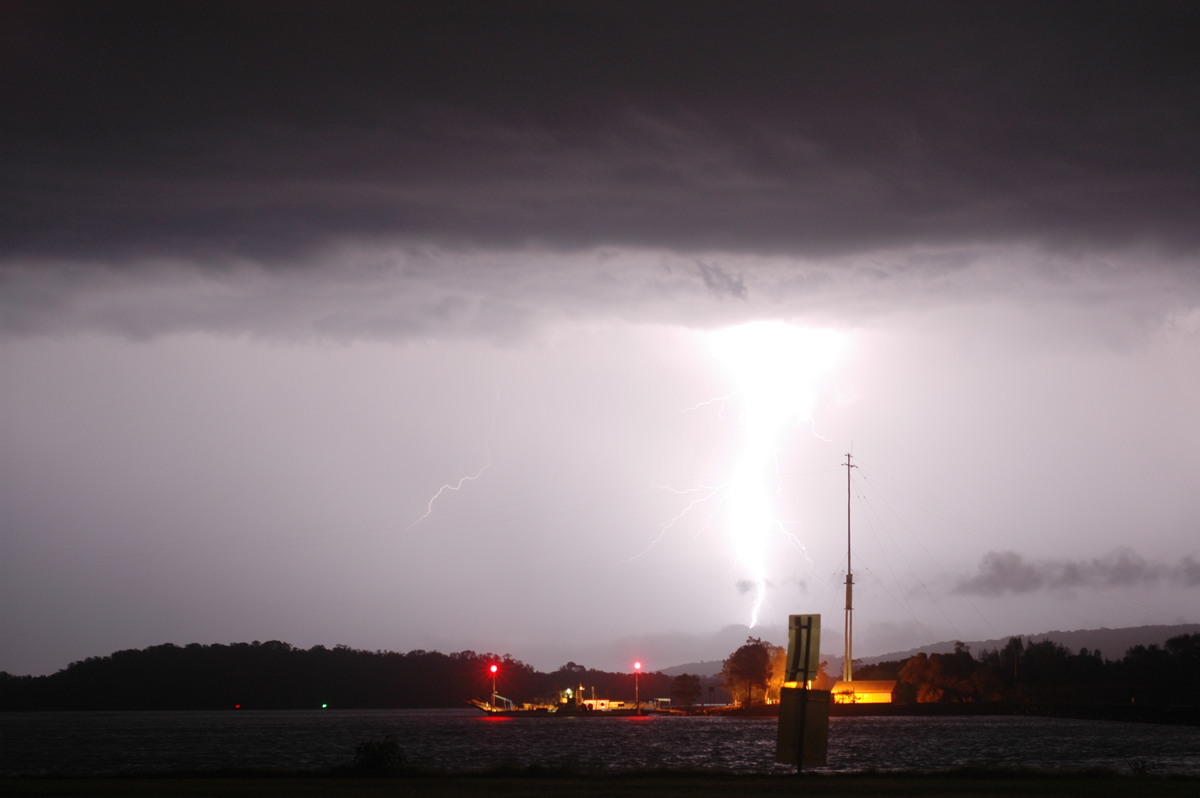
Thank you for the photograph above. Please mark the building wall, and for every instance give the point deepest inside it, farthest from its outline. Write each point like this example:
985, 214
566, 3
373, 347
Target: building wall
872, 692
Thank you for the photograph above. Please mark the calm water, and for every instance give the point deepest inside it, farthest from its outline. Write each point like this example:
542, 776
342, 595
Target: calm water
115, 742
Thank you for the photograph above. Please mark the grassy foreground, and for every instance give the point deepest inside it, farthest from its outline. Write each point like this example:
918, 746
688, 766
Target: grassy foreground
666, 784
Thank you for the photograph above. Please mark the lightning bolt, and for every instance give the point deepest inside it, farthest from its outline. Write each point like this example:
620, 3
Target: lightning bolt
716, 400
457, 486
709, 491
778, 369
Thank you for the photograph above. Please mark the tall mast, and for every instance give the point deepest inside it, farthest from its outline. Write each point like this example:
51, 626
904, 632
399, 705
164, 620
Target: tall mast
848, 656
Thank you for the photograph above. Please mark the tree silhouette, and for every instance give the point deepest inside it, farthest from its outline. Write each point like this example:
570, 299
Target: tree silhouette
748, 669
685, 689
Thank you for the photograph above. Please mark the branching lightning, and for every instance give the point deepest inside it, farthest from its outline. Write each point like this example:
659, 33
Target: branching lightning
708, 492
778, 369
716, 400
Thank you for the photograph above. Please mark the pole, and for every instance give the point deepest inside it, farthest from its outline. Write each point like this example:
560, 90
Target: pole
803, 697
848, 654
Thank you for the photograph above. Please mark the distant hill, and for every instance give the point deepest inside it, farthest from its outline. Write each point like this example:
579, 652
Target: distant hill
709, 668
1111, 643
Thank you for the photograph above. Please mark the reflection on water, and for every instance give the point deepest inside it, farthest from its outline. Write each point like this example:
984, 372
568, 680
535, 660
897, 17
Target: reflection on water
110, 742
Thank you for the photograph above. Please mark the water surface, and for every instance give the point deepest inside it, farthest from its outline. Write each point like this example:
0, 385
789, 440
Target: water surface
96, 743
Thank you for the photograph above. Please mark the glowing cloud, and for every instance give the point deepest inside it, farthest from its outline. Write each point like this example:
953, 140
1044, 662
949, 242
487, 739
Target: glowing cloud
778, 369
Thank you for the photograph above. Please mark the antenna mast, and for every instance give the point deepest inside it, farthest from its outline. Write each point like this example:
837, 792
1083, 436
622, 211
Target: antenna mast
848, 656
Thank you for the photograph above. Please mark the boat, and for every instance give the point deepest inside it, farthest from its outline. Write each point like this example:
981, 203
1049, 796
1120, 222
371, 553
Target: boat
571, 703
501, 707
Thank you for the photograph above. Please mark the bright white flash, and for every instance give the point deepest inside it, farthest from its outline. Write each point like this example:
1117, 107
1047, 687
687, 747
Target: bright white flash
778, 369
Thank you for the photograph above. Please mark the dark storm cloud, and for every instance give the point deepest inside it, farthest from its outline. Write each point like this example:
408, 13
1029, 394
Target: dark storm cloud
1003, 572
222, 132
720, 282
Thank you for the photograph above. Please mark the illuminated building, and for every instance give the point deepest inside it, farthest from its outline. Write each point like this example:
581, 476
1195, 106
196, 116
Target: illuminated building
863, 692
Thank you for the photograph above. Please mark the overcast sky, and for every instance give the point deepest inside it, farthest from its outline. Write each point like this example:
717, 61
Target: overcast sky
545, 329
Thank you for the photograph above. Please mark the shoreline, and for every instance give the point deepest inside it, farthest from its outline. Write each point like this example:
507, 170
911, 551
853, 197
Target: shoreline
642, 784
1126, 713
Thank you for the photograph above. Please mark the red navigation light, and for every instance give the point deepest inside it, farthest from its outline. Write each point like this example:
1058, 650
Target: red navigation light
493, 668
637, 666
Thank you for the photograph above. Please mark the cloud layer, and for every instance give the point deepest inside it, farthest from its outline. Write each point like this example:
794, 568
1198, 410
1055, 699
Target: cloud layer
446, 169
1007, 572
224, 132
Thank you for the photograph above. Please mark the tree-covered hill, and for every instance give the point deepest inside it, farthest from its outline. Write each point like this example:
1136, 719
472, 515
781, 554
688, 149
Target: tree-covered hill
276, 675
